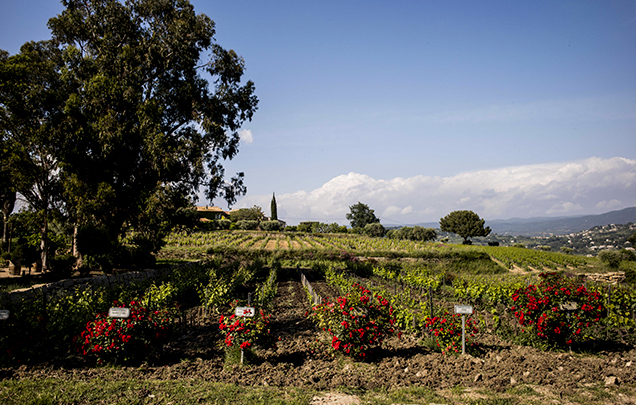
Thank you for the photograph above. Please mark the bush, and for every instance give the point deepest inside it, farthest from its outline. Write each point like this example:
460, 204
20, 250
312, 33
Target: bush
244, 332
612, 258
448, 332
124, 340
374, 230
354, 323
247, 224
223, 224
547, 310
271, 226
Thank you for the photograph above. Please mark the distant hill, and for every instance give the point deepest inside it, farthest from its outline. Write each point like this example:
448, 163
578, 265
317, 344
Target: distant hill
544, 226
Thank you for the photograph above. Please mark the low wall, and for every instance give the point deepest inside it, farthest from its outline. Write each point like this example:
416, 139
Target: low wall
111, 280
609, 278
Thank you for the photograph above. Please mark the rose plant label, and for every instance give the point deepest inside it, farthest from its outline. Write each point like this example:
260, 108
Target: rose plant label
463, 309
244, 311
119, 312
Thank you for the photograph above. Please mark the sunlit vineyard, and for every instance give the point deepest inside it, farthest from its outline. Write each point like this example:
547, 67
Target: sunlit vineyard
509, 258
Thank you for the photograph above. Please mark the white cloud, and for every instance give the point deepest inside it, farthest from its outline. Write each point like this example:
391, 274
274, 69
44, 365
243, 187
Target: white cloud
590, 186
246, 135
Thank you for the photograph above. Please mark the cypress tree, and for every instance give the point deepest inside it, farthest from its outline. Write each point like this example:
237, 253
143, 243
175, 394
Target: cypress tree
274, 208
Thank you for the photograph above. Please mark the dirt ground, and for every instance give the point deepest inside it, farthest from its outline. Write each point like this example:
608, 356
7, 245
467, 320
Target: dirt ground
498, 365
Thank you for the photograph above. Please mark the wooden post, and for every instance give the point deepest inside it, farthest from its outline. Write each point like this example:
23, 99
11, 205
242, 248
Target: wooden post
430, 300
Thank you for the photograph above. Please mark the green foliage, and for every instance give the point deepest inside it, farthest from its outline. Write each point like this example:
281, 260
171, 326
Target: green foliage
247, 214
271, 226
466, 224
360, 215
247, 225
266, 292
416, 233
375, 230
612, 258
116, 114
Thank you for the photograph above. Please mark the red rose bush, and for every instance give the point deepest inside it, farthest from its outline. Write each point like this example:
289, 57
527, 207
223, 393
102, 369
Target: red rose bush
356, 322
244, 332
558, 310
121, 340
447, 331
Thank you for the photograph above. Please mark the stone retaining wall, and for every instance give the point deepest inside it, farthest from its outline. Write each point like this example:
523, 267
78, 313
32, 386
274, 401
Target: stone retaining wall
609, 278
112, 280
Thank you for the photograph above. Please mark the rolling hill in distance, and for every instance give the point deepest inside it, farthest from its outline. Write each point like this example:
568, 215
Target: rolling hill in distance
544, 226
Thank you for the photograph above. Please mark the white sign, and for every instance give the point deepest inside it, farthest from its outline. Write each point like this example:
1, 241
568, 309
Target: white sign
244, 311
569, 306
119, 312
4, 314
463, 309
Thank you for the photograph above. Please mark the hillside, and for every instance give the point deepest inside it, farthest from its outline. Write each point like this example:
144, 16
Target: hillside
544, 226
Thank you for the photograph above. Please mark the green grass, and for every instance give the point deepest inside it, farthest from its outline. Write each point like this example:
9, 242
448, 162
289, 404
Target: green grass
188, 391
125, 392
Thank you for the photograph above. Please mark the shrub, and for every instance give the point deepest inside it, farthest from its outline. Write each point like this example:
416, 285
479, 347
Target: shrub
223, 224
612, 258
123, 340
246, 331
374, 230
271, 225
247, 224
354, 323
448, 332
542, 309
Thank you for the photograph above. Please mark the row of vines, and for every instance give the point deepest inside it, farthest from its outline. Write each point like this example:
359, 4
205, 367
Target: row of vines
509, 257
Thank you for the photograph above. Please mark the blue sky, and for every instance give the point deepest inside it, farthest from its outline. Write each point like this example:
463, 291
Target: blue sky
419, 108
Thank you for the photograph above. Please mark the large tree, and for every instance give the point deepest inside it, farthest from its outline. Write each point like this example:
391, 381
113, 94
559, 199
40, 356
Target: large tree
361, 215
32, 95
465, 223
143, 127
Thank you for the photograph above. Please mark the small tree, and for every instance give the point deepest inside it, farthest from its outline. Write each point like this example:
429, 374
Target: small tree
361, 215
251, 214
375, 230
466, 224
273, 208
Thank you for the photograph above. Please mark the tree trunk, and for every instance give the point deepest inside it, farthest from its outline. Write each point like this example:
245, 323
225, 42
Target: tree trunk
44, 240
7, 209
76, 253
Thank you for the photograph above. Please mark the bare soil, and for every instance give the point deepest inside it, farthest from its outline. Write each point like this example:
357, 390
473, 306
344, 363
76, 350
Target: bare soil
497, 366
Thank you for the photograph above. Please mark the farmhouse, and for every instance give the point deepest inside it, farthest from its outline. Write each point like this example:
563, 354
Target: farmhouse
211, 213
